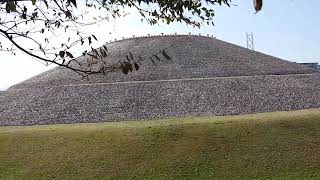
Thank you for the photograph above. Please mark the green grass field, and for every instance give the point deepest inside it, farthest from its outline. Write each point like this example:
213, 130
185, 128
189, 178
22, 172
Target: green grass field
280, 145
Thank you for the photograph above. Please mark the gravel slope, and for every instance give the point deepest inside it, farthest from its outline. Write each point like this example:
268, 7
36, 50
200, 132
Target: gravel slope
205, 77
125, 101
192, 57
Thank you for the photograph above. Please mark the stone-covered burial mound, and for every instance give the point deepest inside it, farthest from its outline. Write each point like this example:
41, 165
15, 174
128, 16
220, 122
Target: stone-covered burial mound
206, 76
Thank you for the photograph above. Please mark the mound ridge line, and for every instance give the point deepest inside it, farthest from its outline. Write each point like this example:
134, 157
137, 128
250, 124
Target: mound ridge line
171, 80
155, 81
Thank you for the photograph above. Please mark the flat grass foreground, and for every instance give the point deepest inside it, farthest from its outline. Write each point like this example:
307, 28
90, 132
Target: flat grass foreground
279, 145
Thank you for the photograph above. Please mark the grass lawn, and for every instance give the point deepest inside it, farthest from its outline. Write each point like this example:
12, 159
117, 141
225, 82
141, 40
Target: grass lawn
280, 145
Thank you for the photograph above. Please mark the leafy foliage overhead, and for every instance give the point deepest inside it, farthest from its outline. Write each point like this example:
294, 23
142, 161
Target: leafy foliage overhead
53, 31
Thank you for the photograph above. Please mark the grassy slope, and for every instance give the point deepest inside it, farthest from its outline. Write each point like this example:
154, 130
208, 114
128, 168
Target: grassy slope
283, 145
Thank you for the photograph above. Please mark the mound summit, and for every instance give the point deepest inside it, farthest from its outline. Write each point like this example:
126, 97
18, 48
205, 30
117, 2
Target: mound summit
206, 76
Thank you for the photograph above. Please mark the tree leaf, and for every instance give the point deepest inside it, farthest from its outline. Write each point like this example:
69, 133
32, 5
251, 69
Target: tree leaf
136, 66
94, 37
10, 6
131, 56
151, 60
69, 54
24, 16
157, 57
68, 14
61, 54
105, 47
164, 53
89, 39
257, 5
125, 71
74, 2
46, 3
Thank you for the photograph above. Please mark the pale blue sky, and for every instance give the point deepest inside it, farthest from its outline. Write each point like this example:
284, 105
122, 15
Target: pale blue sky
288, 29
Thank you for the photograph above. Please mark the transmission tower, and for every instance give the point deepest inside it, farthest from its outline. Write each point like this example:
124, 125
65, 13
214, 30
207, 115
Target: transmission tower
250, 41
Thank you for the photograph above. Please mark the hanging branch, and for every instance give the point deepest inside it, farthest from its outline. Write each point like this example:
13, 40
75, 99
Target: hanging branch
36, 27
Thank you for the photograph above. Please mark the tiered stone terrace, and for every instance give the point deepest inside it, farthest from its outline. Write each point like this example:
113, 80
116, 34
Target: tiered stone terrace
206, 76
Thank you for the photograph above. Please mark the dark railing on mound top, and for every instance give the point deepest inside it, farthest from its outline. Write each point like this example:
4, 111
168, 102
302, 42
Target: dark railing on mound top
160, 35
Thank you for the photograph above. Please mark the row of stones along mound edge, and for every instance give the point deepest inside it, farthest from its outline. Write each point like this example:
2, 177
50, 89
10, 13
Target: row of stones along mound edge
162, 35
